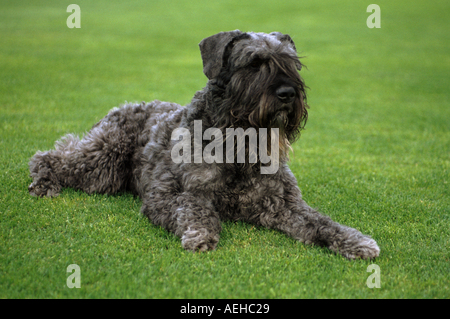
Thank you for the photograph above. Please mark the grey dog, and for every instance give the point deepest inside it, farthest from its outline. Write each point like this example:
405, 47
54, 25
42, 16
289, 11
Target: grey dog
253, 82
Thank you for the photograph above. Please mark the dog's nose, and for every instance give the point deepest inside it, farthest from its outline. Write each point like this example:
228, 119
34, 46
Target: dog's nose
285, 93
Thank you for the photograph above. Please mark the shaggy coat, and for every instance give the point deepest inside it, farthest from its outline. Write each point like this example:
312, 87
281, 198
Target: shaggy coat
253, 83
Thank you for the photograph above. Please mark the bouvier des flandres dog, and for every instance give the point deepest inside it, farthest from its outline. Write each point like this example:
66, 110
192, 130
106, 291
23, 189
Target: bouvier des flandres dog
254, 85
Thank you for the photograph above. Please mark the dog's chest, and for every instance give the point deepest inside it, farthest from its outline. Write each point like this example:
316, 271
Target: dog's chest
239, 201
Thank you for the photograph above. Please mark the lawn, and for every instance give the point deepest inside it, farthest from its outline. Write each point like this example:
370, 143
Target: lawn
375, 154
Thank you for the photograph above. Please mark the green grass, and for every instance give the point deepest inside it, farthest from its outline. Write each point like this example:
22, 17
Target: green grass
375, 154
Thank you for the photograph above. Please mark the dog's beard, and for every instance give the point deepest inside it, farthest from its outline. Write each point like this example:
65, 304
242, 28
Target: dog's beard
286, 118
280, 121
269, 113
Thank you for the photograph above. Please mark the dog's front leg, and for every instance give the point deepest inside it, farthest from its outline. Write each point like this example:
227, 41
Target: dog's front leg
295, 218
198, 223
189, 216
309, 226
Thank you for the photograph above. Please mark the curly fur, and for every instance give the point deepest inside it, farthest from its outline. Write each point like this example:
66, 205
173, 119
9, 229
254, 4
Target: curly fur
130, 150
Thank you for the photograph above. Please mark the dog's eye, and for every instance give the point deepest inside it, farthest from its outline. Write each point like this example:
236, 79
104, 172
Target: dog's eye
256, 63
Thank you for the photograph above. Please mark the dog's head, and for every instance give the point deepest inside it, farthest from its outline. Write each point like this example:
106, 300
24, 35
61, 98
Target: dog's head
255, 82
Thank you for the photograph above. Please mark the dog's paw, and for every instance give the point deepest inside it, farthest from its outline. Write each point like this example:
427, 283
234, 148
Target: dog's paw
362, 247
199, 240
40, 190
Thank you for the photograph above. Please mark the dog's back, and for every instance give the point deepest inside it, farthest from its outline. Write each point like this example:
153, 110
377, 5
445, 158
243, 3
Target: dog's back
108, 159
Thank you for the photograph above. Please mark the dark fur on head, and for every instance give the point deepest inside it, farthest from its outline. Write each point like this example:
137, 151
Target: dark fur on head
245, 89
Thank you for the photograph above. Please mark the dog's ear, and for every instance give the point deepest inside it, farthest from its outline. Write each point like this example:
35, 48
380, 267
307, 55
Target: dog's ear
213, 49
287, 38
284, 38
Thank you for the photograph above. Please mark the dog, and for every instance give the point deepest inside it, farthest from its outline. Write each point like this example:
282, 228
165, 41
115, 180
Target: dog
254, 86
